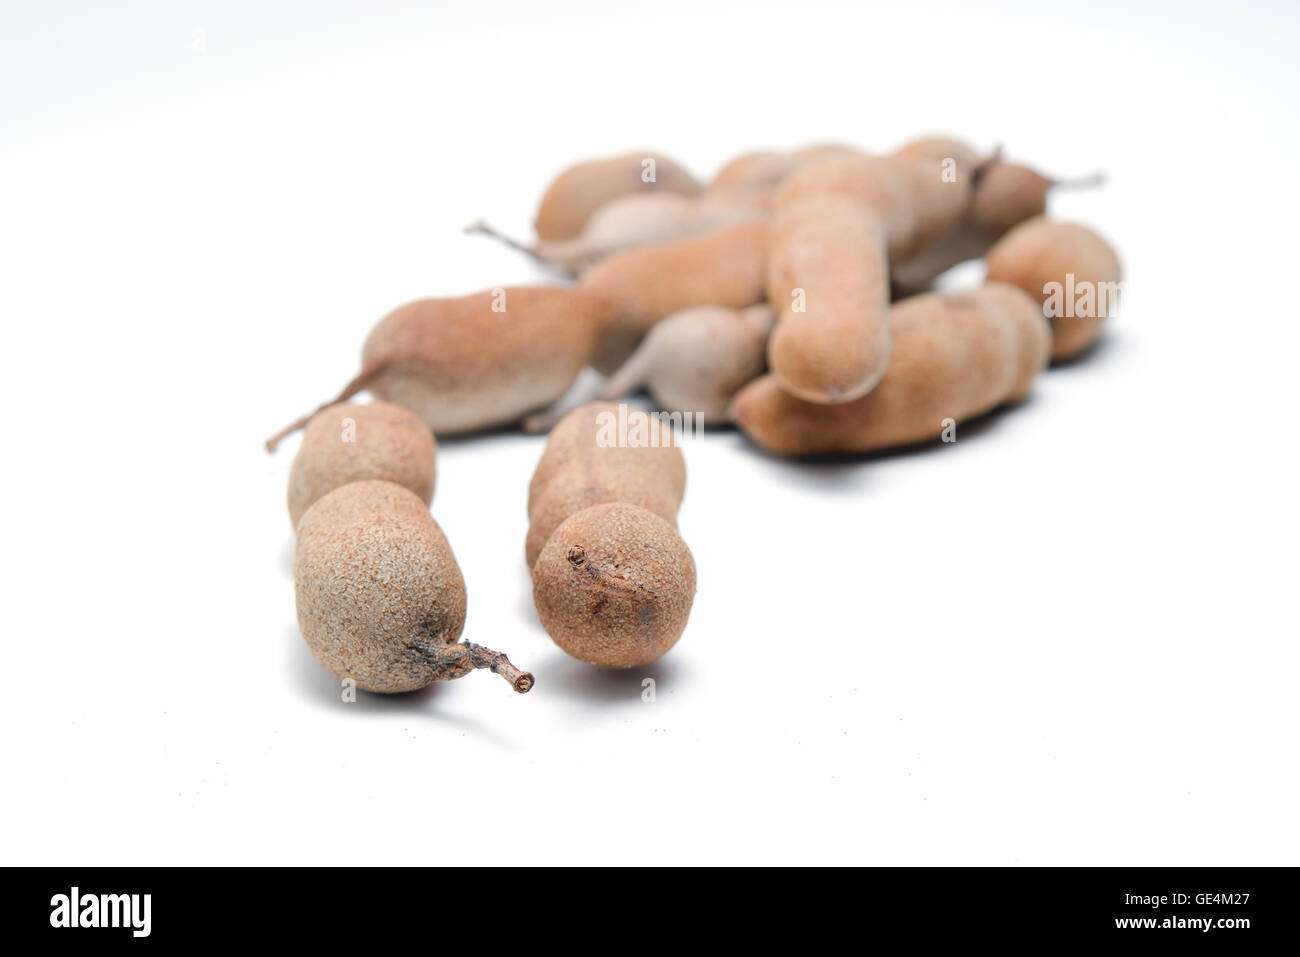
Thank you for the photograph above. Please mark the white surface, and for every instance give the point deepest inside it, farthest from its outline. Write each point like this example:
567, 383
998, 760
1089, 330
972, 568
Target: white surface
1068, 638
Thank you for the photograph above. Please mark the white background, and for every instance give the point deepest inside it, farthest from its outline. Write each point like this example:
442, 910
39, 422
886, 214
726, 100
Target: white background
1069, 638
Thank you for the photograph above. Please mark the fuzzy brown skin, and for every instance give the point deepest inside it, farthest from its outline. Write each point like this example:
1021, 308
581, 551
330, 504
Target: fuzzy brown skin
644, 285
938, 204
375, 578
461, 366
614, 585
380, 597
1034, 331
576, 472
1006, 195
837, 222
879, 184
697, 359
916, 271
1003, 195
832, 345
580, 190
1042, 251
953, 357
692, 362
384, 441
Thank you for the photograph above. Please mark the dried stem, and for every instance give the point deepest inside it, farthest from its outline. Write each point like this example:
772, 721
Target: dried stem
499, 664
463, 657
482, 227
349, 390
1090, 181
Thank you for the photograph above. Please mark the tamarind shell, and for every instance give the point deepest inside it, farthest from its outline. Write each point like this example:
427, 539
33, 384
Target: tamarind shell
350, 442
375, 582
614, 585
576, 471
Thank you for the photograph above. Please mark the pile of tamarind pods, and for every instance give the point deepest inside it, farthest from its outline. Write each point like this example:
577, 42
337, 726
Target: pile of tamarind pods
790, 297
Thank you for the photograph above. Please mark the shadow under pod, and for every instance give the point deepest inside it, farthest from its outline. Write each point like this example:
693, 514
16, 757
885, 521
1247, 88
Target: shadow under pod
568, 677
527, 610
840, 468
324, 690
510, 431
843, 468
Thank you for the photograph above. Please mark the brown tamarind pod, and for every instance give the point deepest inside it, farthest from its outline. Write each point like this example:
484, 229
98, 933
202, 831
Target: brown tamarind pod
577, 192
1070, 270
603, 452
953, 357
476, 361
641, 286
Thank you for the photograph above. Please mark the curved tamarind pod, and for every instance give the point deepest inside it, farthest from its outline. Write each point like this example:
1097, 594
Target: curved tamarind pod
830, 344
953, 357
837, 223
476, 361
1070, 270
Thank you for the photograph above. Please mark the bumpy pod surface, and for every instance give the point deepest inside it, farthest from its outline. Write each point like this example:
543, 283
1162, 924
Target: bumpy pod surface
954, 357
614, 585
837, 223
349, 442
481, 360
602, 452
377, 587
1042, 255
641, 286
